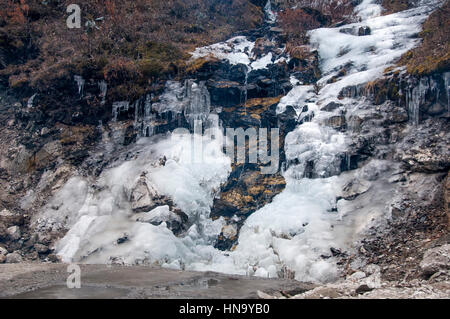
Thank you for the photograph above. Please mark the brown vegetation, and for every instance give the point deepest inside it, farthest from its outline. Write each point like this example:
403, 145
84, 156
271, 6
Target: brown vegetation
308, 15
392, 6
138, 40
433, 54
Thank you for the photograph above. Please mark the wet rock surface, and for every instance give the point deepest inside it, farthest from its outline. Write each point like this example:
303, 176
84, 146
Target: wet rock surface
44, 281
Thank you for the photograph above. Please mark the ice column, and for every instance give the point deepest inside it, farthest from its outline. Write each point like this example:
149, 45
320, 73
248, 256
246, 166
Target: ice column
80, 82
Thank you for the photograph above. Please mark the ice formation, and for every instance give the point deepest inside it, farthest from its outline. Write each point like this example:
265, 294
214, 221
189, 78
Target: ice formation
103, 87
295, 232
31, 100
99, 215
80, 83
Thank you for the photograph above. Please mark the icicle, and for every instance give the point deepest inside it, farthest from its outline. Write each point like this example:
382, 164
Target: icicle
103, 86
118, 107
148, 106
198, 105
136, 113
446, 83
415, 98
80, 82
30, 101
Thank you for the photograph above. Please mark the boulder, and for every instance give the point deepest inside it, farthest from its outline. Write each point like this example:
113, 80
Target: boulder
364, 30
14, 232
398, 115
2, 259
337, 122
174, 219
6, 213
330, 107
227, 237
354, 189
143, 197
423, 159
363, 289
3, 251
436, 259
13, 258
436, 109
262, 47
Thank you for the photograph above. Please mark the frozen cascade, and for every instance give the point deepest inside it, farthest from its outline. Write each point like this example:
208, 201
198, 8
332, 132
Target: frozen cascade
190, 99
300, 225
100, 214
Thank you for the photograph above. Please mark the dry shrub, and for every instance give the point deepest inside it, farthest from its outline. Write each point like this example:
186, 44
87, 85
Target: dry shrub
310, 14
131, 39
433, 54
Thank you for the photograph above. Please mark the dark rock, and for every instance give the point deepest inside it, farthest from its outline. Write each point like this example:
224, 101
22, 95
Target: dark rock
41, 249
436, 109
130, 135
144, 197
14, 232
365, 30
436, 259
225, 93
3, 251
122, 239
363, 289
53, 258
175, 219
330, 107
227, 238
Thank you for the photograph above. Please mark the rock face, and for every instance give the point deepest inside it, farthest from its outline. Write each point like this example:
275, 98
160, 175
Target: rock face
362, 31
14, 232
175, 219
435, 260
144, 197
337, 122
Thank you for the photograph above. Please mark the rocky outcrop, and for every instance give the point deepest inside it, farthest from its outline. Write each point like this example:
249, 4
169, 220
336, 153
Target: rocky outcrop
175, 219
436, 260
144, 197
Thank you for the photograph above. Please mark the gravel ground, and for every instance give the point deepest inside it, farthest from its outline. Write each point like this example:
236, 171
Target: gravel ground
100, 281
